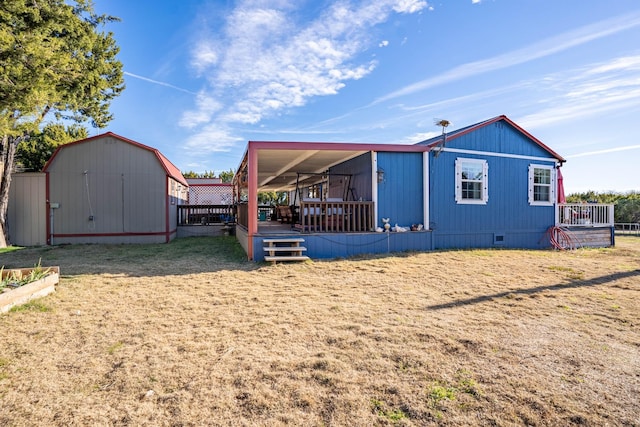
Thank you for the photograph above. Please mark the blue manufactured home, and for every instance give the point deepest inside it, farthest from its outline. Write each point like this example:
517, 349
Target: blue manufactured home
488, 185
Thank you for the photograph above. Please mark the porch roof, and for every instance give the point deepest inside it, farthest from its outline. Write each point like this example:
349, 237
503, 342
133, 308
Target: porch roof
279, 163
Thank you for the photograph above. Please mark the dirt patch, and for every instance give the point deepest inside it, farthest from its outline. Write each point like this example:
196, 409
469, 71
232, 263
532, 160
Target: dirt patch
190, 334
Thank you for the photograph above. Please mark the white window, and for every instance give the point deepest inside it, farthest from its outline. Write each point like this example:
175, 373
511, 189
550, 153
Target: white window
472, 185
541, 185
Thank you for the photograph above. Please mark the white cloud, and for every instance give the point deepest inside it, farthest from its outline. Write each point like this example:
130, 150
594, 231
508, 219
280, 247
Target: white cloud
419, 137
625, 63
264, 60
409, 6
588, 91
605, 151
212, 138
207, 106
476, 1
534, 51
146, 79
384, 43
204, 55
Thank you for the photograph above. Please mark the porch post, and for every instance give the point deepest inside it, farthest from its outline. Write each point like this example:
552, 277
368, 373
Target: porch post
425, 189
611, 215
252, 202
374, 186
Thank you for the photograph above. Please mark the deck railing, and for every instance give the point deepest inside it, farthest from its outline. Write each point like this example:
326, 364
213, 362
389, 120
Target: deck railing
335, 217
632, 228
204, 214
585, 214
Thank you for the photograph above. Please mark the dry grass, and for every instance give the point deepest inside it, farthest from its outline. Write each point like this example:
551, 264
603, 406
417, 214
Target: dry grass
189, 334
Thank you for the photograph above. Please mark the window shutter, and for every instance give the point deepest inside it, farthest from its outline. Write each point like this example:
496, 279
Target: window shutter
458, 180
531, 183
485, 181
554, 185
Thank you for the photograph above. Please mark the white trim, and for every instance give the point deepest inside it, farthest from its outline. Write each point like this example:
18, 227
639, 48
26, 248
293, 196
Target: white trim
552, 185
458, 181
425, 189
491, 153
374, 185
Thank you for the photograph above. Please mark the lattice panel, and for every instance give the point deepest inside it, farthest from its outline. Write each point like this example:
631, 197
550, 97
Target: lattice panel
210, 194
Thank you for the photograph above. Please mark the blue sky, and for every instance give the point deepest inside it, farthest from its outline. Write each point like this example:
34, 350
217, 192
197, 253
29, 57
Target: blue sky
204, 77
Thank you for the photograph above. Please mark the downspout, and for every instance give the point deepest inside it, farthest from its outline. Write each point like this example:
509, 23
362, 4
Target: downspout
425, 189
374, 186
556, 204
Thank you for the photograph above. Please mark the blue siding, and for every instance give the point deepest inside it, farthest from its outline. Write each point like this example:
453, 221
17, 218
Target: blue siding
400, 194
499, 137
334, 245
506, 220
506, 214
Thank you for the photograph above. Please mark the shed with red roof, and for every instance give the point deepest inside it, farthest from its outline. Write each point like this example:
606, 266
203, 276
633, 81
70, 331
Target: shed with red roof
110, 189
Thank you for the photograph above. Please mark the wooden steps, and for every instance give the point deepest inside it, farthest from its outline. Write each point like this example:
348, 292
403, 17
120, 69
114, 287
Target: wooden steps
285, 249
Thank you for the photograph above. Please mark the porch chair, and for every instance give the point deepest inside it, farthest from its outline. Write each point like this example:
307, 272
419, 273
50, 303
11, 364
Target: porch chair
284, 214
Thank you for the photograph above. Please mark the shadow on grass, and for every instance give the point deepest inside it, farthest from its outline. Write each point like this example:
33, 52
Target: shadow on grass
183, 256
562, 286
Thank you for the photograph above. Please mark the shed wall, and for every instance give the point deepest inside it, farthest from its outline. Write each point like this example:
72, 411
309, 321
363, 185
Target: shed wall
108, 191
27, 212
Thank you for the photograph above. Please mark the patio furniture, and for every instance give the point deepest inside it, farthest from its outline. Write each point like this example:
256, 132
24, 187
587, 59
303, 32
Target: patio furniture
284, 214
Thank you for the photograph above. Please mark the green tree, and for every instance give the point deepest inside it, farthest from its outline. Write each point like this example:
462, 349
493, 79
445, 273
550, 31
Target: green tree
272, 198
227, 176
53, 60
628, 210
205, 174
33, 153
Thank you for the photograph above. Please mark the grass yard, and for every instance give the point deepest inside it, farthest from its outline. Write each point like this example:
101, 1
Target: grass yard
190, 334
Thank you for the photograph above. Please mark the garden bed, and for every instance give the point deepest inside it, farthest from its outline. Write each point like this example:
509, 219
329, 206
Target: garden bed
42, 286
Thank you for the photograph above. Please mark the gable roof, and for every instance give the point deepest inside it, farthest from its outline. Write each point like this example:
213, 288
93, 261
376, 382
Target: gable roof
171, 170
432, 142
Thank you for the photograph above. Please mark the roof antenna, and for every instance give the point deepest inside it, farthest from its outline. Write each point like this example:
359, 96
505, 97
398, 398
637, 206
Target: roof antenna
444, 123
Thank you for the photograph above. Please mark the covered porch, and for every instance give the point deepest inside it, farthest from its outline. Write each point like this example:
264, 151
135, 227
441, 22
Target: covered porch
332, 196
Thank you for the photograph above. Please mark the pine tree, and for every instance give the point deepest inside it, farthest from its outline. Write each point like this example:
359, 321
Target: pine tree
53, 60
